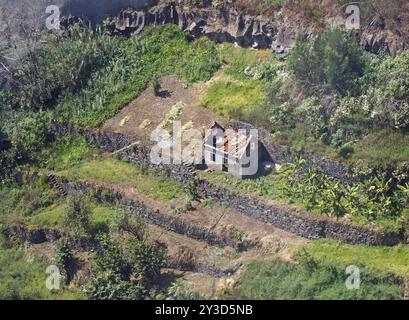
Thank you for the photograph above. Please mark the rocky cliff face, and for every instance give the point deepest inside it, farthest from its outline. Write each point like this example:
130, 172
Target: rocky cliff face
222, 25
278, 30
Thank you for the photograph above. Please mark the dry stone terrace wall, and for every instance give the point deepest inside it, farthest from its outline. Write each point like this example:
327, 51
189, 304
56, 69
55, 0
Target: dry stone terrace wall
138, 154
297, 221
293, 220
173, 224
22, 233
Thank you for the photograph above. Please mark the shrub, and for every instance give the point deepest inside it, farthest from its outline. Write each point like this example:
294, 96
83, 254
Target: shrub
67, 152
126, 271
156, 86
179, 290
332, 61
34, 198
392, 92
145, 259
77, 214
128, 222
64, 258
110, 286
346, 151
29, 133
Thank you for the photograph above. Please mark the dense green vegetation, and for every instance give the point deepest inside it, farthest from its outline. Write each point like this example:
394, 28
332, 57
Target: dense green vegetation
330, 97
125, 270
23, 277
349, 95
67, 152
307, 280
370, 202
332, 61
84, 77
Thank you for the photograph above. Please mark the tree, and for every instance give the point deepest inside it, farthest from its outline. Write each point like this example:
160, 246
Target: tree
332, 61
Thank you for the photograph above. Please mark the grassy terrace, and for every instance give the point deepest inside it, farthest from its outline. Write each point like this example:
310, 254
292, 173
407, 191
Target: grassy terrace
53, 216
111, 170
320, 273
393, 260
268, 187
233, 94
275, 280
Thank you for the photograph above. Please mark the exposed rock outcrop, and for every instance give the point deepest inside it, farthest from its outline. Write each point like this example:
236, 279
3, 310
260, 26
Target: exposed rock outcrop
277, 30
222, 25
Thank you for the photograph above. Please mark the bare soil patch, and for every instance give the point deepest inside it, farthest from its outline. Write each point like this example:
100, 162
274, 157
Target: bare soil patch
146, 112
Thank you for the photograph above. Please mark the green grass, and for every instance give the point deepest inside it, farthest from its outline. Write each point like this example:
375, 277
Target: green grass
102, 217
266, 186
111, 170
234, 98
382, 148
300, 139
378, 259
67, 152
237, 95
23, 278
9, 199
49, 217
276, 280
53, 216
238, 59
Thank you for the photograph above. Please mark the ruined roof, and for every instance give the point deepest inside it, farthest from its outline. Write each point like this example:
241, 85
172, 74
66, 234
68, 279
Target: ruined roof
234, 143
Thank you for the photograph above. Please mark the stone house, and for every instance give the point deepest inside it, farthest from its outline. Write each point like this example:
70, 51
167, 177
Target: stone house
232, 151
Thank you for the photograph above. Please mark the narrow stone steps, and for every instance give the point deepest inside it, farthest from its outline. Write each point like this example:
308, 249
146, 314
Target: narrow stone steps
56, 184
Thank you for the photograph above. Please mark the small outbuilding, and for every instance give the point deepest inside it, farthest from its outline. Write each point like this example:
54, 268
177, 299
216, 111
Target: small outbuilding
233, 151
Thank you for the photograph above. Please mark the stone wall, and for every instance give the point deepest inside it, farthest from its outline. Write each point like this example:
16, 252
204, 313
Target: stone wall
138, 154
293, 220
21, 233
173, 224
297, 221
